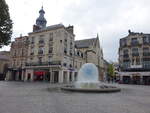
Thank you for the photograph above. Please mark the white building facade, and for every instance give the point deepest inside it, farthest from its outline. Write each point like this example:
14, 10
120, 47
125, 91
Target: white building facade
134, 58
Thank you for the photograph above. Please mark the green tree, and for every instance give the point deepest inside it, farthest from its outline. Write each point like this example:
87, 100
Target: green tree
5, 24
111, 70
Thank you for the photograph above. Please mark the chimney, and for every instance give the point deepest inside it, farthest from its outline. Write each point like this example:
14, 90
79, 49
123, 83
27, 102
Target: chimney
70, 29
35, 28
129, 31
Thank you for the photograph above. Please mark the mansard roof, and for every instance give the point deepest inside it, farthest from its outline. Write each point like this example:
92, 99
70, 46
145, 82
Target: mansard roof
52, 27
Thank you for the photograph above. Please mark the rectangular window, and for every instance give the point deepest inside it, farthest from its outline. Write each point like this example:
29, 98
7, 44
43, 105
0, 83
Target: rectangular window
146, 40
125, 53
32, 40
32, 51
40, 59
50, 50
41, 50
50, 58
123, 42
41, 41
65, 50
51, 37
134, 41
135, 52
146, 51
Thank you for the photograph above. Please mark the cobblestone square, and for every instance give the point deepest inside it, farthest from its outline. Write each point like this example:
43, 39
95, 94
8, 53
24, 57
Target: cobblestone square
34, 97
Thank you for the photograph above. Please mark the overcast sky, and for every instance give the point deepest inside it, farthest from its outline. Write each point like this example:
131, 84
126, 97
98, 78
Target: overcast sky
111, 19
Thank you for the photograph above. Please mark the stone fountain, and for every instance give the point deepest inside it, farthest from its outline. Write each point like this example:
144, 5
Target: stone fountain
88, 81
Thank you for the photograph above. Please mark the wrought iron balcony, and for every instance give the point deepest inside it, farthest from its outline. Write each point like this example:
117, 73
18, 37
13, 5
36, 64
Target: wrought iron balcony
44, 63
40, 52
134, 43
126, 56
146, 42
135, 54
41, 41
146, 53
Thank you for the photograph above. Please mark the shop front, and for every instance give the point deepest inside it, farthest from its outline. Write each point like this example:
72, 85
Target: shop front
41, 75
146, 80
126, 80
136, 79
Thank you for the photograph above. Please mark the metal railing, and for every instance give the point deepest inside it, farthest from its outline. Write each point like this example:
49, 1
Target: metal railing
43, 63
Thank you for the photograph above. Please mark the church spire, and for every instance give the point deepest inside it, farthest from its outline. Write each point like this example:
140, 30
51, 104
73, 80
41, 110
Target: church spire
41, 21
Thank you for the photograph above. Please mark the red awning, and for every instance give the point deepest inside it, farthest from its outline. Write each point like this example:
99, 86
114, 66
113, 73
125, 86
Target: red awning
39, 73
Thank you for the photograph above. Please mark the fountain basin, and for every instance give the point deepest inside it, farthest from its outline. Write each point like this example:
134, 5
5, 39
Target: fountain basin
105, 89
88, 81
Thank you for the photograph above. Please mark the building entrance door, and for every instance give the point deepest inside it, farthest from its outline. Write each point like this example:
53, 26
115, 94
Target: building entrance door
146, 80
70, 77
13, 75
126, 79
28, 76
56, 76
65, 77
39, 75
47, 76
20, 76
136, 79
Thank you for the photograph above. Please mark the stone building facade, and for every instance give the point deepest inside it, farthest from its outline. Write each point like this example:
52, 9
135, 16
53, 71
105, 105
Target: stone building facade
134, 58
4, 63
18, 56
53, 55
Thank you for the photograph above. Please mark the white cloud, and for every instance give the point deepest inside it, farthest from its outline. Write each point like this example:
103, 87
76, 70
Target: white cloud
110, 18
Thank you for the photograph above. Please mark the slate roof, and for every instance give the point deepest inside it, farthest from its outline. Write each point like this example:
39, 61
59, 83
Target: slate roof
85, 43
52, 27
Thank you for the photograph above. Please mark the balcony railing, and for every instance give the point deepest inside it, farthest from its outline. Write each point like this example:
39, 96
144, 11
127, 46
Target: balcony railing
126, 56
146, 42
41, 41
146, 53
135, 54
146, 64
44, 63
40, 52
135, 43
